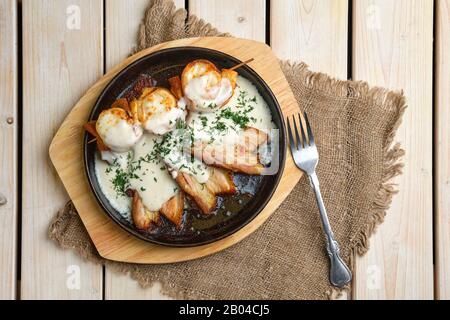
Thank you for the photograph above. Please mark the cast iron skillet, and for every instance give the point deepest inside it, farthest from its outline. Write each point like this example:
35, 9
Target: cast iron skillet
233, 212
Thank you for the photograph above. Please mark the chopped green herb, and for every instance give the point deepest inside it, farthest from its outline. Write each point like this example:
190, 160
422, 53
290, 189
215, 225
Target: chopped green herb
120, 181
220, 126
204, 121
181, 124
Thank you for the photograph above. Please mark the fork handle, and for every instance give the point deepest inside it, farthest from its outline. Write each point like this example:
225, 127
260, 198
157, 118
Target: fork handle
340, 274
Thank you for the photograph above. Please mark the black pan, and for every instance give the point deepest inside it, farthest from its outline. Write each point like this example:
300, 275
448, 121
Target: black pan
233, 212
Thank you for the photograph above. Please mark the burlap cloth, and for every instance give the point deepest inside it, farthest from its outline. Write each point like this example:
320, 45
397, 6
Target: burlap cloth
285, 258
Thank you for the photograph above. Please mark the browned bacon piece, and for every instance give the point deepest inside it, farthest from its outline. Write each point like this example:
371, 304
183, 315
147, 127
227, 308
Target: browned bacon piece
220, 182
143, 81
240, 157
173, 209
142, 217
90, 127
175, 87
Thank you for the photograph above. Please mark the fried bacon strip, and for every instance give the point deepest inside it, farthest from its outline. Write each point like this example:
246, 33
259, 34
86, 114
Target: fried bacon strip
123, 104
143, 81
220, 182
90, 127
240, 157
203, 197
171, 209
236, 159
175, 87
142, 217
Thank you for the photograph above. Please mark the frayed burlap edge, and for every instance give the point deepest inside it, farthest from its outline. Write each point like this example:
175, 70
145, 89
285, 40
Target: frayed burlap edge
392, 153
320, 82
182, 25
86, 249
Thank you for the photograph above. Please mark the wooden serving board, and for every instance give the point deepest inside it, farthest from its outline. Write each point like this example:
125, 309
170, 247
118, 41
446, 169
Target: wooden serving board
111, 241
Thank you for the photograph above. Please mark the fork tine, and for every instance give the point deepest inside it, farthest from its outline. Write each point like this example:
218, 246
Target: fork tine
305, 143
310, 134
297, 136
291, 138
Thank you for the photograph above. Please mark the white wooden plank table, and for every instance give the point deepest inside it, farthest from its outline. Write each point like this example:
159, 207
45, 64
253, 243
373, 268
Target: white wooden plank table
8, 148
51, 51
62, 57
442, 131
395, 50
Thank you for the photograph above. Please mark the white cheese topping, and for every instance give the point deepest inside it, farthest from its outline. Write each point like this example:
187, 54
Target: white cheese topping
224, 126
146, 167
116, 132
150, 177
203, 97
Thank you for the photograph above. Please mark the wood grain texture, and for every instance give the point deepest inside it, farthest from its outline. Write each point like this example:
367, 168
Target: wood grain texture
119, 286
8, 148
120, 38
119, 42
242, 18
113, 242
315, 32
59, 64
393, 47
442, 182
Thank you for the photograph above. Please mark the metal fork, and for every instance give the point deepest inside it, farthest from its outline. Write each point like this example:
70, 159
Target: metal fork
305, 155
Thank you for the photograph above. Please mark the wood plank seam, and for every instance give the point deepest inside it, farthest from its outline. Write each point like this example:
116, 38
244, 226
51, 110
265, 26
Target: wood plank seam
393, 48
8, 145
315, 32
442, 150
19, 148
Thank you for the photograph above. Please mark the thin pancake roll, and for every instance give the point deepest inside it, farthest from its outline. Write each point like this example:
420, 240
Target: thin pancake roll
157, 110
206, 88
115, 129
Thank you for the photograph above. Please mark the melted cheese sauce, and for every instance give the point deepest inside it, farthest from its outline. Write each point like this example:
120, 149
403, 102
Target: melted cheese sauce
147, 164
106, 173
223, 126
117, 133
204, 97
150, 177
160, 117
179, 160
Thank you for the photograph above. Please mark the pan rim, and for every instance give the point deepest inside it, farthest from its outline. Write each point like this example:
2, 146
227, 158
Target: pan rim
268, 196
